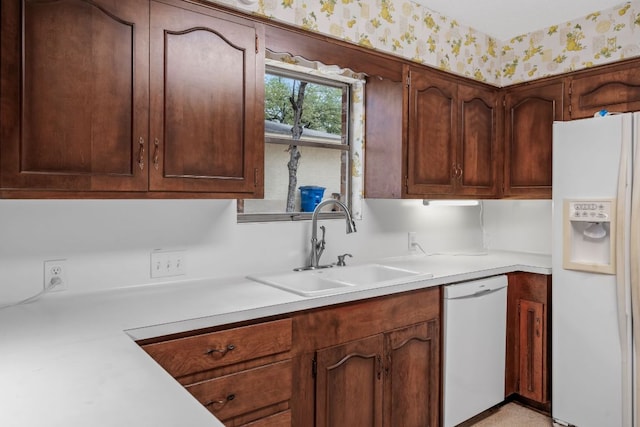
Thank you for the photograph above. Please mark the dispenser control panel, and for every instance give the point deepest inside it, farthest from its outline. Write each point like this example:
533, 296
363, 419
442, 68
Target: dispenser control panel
590, 211
589, 235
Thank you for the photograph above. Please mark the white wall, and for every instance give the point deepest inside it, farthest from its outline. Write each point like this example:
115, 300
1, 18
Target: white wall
518, 225
107, 243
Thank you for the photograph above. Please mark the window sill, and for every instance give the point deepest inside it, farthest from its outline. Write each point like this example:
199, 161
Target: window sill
292, 216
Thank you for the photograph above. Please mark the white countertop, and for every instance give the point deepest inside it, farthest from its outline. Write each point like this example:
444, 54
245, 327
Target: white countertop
71, 360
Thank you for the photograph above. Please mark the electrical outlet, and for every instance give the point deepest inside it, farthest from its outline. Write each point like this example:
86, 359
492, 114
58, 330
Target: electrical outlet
55, 274
168, 263
411, 241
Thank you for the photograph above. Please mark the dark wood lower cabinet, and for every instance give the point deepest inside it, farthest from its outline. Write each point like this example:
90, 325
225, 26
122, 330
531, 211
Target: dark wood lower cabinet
242, 375
372, 363
532, 349
528, 362
349, 384
389, 379
412, 376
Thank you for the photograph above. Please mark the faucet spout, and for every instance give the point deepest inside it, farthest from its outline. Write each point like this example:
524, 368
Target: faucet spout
317, 247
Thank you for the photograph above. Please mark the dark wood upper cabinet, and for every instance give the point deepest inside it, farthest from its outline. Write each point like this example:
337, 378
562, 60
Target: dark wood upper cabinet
615, 88
384, 136
165, 99
123, 99
530, 111
479, 149
206, 102
74, 95
452, 144
432, 134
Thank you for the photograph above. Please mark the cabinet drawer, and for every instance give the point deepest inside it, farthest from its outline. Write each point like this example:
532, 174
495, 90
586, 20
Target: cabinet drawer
190, 355
282, 419
246, 391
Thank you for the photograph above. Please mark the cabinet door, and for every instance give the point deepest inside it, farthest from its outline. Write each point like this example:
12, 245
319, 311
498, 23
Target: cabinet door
384, 132
478, 155
528, 358
206, 103
532, 349
432, 135
614, 88
412, 376
530, 113
74, 95
349, 384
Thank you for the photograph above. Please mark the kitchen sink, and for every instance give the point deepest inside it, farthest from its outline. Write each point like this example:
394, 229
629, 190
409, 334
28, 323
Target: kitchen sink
306, 283
339, 279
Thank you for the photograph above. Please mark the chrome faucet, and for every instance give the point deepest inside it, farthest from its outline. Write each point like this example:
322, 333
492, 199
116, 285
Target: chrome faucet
317, 247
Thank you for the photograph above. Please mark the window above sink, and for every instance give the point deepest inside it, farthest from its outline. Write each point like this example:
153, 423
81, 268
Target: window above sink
330, 145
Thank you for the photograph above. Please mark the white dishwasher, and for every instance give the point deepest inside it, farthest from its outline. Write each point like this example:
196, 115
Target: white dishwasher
474, 330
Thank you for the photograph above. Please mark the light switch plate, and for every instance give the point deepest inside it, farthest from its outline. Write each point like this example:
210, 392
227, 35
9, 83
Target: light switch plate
168, 263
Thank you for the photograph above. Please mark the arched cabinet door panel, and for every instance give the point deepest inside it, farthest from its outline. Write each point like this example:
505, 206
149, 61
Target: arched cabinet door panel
614, 88
349, 384
412, 375
530, 113
74, 95
206, 90
478, 150
432, 134
452, 141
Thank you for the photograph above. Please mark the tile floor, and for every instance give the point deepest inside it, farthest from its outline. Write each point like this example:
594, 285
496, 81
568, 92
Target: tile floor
514, 415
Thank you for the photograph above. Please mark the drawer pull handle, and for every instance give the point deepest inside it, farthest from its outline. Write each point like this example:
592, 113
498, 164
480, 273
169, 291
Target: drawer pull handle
156, 143
221, 402
222, 352
141, 153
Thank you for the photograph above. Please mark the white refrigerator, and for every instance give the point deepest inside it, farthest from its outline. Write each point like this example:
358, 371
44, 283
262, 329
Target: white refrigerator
596, 217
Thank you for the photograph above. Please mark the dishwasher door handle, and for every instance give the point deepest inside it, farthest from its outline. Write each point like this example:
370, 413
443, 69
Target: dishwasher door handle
476, 294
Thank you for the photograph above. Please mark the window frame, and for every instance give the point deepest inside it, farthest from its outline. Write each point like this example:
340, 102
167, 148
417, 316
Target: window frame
346, 146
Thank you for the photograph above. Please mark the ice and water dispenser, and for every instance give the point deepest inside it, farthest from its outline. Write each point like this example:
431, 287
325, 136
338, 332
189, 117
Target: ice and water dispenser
589, 235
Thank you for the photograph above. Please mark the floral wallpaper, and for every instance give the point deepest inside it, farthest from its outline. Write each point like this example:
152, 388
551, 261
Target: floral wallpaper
598, 38
409, 30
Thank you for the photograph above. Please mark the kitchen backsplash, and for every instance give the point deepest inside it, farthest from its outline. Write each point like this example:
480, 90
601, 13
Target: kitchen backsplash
107, 243
518, 225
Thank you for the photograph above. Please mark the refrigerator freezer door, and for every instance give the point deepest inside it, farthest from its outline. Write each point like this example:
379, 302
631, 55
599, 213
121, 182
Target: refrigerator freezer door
587, 372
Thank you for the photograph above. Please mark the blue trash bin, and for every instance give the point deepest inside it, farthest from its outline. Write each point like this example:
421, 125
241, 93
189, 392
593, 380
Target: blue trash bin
310, 196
